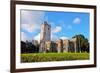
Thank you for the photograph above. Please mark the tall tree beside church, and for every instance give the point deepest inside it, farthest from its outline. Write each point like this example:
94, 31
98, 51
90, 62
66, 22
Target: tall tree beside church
83, 43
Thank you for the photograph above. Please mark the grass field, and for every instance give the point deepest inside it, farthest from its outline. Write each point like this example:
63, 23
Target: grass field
45, 57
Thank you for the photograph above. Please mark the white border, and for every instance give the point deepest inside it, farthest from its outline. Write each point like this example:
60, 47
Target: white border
53, 64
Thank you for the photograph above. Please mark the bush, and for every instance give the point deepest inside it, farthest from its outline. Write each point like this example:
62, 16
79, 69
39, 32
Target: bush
45, 57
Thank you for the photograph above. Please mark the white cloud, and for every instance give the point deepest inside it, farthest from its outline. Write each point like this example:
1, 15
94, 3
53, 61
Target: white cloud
57, 29
37, 37
54, 37
77, 20
28, 27
23, 36
63, 37
31, 20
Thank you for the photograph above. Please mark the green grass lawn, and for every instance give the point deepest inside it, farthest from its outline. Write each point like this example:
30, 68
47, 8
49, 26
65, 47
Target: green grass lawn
45, 57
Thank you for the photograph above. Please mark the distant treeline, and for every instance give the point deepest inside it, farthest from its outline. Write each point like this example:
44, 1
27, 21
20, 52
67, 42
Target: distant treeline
28, 47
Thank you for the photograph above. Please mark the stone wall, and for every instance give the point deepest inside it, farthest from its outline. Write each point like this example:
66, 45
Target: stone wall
62, 46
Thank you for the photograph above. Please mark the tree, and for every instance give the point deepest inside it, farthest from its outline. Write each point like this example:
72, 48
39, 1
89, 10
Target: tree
82, 43
28, 47
23, 47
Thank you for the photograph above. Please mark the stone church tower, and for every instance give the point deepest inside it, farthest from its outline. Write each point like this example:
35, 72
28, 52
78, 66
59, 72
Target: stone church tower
45, 36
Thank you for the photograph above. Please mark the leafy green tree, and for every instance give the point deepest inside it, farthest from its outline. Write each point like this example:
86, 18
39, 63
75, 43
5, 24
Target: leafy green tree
28, 47
82, 43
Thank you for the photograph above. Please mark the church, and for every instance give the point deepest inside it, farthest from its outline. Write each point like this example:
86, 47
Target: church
46, 45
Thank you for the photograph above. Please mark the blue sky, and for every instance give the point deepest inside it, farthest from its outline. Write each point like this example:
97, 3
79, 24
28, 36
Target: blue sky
64, 25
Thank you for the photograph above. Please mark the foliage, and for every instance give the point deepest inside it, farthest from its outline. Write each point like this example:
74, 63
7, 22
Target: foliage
28, 47
44, 57
82, 42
